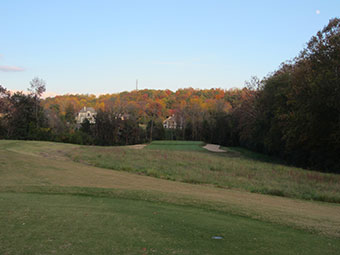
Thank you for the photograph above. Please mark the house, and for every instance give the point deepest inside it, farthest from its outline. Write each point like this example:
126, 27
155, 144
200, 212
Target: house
86, 113
173, 123
123, 116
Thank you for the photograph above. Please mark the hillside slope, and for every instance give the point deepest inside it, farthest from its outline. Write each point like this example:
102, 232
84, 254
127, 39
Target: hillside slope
50, 204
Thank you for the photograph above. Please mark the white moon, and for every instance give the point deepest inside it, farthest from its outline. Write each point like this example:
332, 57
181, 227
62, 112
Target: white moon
317, 12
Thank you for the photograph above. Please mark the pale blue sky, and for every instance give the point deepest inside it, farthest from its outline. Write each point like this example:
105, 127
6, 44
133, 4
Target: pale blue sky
104, 46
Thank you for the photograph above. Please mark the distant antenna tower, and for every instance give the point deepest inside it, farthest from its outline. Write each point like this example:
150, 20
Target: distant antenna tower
137, 84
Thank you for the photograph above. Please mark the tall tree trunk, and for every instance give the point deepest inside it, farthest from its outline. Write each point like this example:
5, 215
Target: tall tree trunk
151, 128
36, 113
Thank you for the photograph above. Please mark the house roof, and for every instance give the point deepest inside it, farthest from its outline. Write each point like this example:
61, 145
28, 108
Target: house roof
87, 109
169, 118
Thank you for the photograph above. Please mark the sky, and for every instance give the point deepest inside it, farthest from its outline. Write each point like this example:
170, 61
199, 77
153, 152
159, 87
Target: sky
98, 47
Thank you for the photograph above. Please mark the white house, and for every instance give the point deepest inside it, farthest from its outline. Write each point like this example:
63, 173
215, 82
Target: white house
172, 122
86, 113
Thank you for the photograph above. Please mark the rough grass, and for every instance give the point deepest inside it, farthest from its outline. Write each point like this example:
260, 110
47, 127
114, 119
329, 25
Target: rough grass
236, 169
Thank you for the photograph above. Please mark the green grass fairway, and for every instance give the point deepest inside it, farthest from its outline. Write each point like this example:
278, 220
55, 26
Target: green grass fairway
176, 146
54, 201
63, 224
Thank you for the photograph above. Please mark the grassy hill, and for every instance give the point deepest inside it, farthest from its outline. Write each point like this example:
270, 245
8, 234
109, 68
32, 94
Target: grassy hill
238, 169
68, 199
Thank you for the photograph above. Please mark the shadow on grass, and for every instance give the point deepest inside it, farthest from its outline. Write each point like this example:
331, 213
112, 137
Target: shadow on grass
248, 154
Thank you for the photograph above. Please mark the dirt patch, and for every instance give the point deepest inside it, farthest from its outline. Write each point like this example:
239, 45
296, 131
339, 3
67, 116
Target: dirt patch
213, 148
136, 146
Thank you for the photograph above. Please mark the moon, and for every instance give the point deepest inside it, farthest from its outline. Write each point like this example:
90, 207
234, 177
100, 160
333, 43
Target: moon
317, 12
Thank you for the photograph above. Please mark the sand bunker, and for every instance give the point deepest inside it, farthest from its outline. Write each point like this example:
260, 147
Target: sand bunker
213, 147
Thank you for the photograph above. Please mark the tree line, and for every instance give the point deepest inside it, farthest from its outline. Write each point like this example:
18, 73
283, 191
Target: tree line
204, 115
293, 113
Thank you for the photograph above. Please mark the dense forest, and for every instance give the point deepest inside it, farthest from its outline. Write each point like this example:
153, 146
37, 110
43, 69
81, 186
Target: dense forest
293, 113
